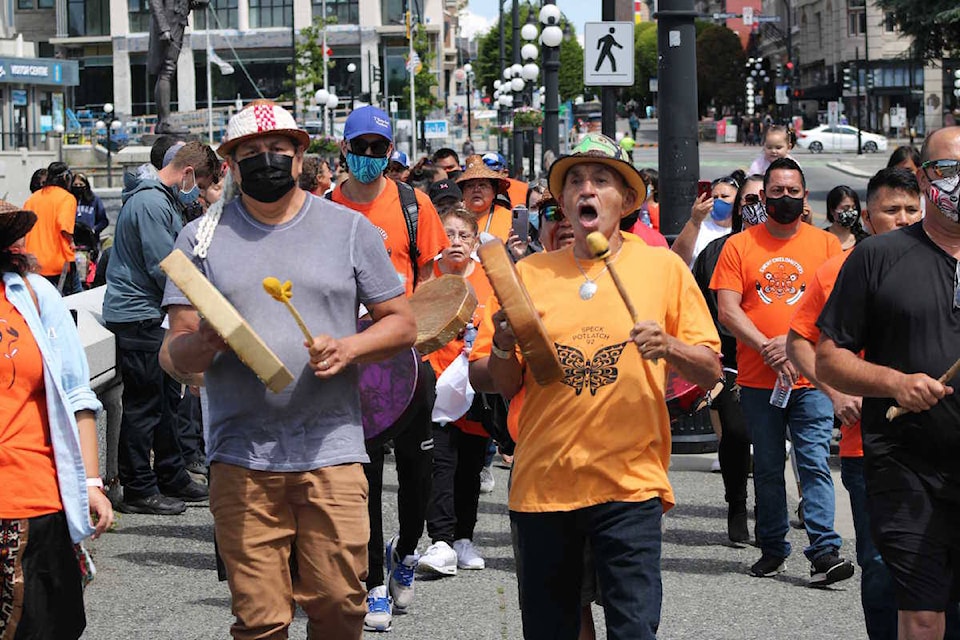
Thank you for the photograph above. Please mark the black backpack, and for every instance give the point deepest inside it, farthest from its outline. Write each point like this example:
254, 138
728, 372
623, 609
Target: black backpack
411, 214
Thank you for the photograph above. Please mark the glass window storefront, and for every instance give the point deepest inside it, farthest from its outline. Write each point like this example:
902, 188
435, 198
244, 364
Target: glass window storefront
345, 11
268, 67
227, 16
271, 13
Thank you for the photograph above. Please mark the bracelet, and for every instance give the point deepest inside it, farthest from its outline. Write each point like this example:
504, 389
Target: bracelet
503, 354
95, 482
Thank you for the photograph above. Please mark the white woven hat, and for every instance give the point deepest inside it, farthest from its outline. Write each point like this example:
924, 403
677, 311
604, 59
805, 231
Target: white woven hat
261, 118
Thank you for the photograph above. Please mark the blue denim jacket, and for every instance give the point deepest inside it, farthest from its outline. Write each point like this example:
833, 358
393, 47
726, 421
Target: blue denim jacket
67, 380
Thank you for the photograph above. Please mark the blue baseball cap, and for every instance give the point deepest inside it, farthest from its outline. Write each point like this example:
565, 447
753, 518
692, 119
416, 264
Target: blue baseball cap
494, 160
400, 157
367, 120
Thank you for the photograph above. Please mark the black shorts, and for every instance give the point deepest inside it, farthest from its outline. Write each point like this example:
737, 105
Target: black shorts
917, 536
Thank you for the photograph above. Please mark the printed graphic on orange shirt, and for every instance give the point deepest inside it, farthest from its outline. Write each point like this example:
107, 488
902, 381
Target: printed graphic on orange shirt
579, 373
780, 279
10, 350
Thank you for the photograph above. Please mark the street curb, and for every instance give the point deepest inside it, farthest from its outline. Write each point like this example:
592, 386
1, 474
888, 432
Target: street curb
843, 167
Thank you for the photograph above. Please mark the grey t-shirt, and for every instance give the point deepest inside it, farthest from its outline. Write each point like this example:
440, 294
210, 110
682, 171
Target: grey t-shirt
336, 261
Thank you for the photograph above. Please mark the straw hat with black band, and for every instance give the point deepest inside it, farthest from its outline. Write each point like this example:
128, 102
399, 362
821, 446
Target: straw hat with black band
596, 148
477, 170
14, 223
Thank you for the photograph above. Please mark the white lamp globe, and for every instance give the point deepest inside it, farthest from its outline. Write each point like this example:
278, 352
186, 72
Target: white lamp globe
530, 71
321, 96
549, 14
507, 73
333, 101
351, 68
528, 32
529, 51
496, 84
108, 107
515, 70
100, 124
517, 84
468, 68
552, 36
116, 124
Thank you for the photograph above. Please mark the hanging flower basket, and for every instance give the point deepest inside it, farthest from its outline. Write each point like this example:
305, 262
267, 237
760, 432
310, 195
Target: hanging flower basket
527, 119
323, 145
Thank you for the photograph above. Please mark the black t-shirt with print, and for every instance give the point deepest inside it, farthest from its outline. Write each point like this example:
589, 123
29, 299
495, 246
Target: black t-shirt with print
894, 300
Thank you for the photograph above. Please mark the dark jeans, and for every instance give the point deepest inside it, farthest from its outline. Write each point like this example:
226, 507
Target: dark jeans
877, 592
190, 428
457, 461
625, 537
71, 283
52, 585
413, 448
150, 399
734, 451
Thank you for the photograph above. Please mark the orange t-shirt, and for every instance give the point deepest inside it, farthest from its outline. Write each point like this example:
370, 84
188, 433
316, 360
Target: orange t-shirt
498, 223
804, 323
386, 213
653, 209
56, 210
602, 434
441, 358
517, 191
772, 275
26, 453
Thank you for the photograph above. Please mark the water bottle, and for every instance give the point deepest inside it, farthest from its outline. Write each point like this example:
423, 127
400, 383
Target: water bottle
781, 393
469, 335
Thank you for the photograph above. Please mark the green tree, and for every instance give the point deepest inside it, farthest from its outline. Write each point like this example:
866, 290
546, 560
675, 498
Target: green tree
309, 55
425, 80
644, 63
934, 25
487, 65
720, 68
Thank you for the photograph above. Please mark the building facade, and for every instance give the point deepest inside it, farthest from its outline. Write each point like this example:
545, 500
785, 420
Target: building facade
109, 40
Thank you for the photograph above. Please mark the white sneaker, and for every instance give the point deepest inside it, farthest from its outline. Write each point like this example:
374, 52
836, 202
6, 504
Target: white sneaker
715, 466
467, 556
401, 575
487, 483
379, 610
439, 558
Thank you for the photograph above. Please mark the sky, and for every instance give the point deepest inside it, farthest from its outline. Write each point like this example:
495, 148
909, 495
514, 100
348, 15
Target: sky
481, 14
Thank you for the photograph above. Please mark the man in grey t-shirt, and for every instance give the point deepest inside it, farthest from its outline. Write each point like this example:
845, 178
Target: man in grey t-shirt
286, 467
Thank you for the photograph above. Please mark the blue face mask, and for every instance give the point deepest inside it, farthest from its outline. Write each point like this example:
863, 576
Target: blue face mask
188, 197
722, 210
534, 215
364, 168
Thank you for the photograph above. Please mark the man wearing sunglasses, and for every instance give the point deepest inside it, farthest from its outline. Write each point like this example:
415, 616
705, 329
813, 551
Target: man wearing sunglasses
896, 299
366, 146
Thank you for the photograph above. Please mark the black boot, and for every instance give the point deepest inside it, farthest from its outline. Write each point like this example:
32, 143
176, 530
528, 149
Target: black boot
737, 529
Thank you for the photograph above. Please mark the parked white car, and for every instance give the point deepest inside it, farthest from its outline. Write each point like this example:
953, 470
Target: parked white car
839, 137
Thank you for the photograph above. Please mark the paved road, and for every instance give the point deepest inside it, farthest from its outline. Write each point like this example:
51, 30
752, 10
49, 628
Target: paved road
157, 579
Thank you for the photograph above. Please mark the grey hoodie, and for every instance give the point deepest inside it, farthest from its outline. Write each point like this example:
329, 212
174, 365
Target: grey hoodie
147, 228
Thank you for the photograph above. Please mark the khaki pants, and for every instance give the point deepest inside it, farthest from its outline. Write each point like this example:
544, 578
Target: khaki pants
258, 515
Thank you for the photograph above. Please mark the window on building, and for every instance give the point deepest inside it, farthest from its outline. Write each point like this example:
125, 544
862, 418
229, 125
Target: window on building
45, 4
856, 17
139, 13
345, 11
24, 4
271, 13
889, 23
88, 17
227, 16
391, 12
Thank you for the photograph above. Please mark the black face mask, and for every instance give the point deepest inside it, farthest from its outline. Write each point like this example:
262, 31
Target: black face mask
78, 192
785, 209
266, 177
453, 175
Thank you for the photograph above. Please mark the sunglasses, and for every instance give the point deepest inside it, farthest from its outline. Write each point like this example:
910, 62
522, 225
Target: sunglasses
751, 198
941, 169
551, 213
725, 180
376, 149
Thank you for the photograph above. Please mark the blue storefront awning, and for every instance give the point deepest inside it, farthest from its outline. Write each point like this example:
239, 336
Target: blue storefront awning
40, 71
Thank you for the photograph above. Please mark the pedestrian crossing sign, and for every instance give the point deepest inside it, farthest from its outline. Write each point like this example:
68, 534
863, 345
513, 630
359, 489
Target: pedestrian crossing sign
608, 54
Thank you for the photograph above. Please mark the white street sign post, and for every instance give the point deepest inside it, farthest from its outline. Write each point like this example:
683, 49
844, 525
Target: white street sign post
748, 16
608, 54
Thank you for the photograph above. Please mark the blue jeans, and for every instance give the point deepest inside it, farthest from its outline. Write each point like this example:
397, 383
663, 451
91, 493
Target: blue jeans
876, 585
625, 537
809, 416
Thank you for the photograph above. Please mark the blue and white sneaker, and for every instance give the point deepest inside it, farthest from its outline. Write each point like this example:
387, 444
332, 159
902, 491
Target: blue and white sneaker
401, 574
379, 610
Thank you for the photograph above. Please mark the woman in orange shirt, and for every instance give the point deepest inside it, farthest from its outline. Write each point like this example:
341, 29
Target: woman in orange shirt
459, 448
48, 450
480, 186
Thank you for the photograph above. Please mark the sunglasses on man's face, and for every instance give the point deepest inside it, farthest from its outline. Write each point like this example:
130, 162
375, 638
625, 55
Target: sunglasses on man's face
376, 149
941, 169
551, 213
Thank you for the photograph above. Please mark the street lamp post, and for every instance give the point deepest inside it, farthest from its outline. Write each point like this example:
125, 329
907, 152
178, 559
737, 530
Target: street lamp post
351, 69
550, 37
468, 75
529, 73
108, 109
320, 99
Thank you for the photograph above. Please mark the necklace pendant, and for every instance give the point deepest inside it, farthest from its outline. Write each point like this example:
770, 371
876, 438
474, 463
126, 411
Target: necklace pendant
587, 290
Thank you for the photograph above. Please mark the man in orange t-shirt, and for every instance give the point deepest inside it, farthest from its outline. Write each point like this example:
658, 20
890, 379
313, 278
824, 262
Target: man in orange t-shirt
593, 448
761, 275
51, 240
366, 145
893, 201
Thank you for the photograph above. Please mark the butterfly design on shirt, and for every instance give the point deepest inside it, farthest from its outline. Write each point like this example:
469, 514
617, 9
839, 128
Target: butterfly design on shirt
580, 373
9, 341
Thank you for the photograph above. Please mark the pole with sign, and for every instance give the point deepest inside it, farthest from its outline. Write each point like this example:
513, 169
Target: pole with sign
608, 63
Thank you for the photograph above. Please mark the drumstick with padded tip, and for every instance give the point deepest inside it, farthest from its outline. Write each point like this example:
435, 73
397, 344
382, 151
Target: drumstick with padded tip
895, 412
283, 293
600, 248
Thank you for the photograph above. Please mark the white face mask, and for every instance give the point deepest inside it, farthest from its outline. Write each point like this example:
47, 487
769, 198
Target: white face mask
945, 194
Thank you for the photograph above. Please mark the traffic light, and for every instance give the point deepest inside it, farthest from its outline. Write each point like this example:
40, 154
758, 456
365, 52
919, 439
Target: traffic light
869, 74
798, 93
849, 84
779, 70
956, 83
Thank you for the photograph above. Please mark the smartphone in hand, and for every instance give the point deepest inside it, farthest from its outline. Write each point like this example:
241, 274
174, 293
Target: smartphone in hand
703, 187
521, 223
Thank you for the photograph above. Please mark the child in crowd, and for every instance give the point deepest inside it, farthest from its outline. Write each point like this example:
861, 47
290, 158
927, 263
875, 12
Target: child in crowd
778, 141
